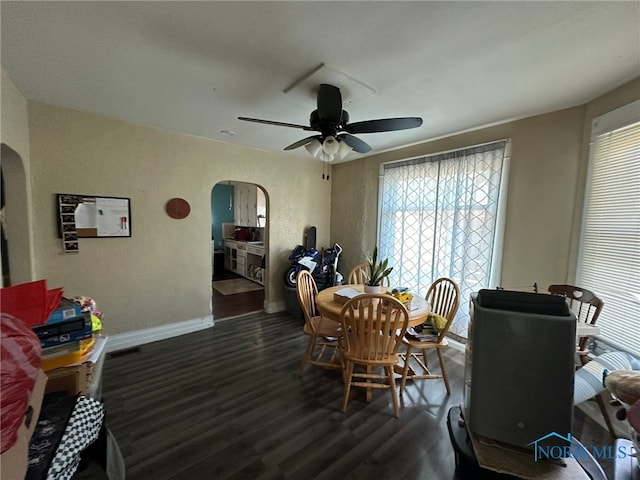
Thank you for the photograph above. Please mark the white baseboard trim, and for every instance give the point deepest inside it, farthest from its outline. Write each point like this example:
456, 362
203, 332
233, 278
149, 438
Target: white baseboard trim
136, 338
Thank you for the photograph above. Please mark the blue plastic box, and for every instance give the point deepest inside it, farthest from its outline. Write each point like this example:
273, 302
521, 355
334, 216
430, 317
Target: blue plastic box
66, 310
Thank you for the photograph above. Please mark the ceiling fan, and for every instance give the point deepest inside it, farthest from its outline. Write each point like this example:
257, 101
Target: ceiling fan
336, 136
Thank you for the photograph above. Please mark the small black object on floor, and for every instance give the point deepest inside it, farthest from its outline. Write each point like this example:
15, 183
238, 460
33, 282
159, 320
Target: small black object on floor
466, 463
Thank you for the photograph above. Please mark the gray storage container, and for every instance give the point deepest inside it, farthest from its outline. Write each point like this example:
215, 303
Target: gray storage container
520, 367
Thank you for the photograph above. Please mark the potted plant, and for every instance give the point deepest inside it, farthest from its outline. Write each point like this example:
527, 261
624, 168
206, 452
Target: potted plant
377, 271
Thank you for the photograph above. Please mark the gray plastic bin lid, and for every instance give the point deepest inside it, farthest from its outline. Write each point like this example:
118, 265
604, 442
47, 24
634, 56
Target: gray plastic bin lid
524, 302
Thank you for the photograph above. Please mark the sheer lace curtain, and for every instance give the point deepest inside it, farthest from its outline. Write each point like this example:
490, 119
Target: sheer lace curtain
440, 217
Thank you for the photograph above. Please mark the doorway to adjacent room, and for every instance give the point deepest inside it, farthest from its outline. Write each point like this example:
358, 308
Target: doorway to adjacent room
238, 249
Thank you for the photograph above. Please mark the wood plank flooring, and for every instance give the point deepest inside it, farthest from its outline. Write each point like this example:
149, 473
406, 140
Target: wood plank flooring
229, 306
227, 403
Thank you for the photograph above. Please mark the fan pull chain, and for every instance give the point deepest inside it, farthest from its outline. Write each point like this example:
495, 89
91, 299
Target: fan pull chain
326, 164
325, 168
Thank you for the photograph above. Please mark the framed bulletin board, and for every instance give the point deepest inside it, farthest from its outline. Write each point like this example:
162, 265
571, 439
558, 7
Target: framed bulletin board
90, 216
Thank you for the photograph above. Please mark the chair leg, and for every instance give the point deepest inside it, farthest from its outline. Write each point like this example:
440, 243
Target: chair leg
584, 359
405, 370
347, 385
394, 394
369, 370
343, 366
444, 371
307, 353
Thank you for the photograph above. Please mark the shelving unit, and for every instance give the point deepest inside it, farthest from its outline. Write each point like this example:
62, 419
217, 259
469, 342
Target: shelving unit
254, 268
244, 259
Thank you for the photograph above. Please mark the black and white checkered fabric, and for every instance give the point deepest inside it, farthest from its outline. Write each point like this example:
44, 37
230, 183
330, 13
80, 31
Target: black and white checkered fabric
82, 430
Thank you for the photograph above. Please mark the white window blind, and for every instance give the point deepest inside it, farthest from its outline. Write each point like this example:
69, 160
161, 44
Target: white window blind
609, 263
440, 216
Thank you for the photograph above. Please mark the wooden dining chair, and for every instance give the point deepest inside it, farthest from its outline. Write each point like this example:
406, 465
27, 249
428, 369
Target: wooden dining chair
443, 298
359, 275
323, 346
373, 326
587, 306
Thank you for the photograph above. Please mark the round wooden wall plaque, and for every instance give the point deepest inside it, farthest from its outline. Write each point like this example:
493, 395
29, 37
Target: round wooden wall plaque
177, 208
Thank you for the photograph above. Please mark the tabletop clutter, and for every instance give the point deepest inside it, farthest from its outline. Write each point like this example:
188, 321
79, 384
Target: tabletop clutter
331, 300
401, 293
50, 348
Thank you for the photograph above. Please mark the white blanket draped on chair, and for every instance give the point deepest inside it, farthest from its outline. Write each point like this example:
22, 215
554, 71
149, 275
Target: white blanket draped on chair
588, 380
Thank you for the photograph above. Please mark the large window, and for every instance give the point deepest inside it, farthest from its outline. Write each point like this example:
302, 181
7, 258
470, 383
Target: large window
609, 263
440, 216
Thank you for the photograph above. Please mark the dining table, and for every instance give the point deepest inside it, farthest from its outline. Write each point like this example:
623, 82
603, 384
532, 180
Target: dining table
418, 309
331, 307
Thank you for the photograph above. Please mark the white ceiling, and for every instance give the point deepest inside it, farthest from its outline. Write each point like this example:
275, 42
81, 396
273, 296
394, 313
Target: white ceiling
194, 67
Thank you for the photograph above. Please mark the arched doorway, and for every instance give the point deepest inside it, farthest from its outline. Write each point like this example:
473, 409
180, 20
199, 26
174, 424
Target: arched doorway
16, 245
239, 239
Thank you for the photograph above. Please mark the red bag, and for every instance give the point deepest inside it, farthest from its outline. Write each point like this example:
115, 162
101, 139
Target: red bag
19, 364
31, 302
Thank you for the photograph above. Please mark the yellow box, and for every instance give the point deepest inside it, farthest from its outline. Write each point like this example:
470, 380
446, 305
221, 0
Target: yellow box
66, 357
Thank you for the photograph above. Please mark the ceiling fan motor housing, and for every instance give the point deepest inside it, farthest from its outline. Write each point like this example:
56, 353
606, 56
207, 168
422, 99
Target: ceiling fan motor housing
328, 128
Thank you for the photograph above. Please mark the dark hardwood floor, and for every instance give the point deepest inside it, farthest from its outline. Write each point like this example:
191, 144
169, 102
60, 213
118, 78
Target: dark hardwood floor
229, 306
228, 403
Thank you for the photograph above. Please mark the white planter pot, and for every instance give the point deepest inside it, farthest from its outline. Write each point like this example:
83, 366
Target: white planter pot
372, 288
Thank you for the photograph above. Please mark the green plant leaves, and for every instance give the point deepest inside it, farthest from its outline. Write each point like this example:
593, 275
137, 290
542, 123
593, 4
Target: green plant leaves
377, 270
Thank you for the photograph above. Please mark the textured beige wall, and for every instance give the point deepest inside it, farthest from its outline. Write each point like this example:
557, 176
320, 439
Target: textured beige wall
544, 199
162, 274
13, 117
14, 135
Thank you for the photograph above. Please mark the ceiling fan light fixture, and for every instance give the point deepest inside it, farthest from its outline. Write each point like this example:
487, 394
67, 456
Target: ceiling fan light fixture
314, 147
344, 150
330, 146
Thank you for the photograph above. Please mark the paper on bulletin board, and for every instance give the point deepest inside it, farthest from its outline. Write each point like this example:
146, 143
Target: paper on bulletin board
86, 215
112, 215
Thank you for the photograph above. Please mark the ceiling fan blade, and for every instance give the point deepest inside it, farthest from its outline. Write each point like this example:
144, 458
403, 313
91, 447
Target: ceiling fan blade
355, 143
384, 125
329, 104
271, 122
302, 142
